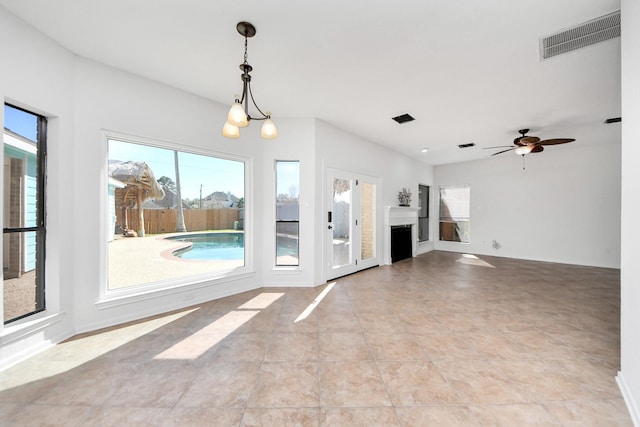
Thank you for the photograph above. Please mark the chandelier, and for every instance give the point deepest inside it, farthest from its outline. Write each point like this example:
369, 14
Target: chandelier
239, 113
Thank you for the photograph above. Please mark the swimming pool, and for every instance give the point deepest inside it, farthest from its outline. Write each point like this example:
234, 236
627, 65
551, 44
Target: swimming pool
227, 247
211, 246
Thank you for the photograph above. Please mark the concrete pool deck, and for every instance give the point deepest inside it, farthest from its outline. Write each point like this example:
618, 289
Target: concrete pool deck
140, 260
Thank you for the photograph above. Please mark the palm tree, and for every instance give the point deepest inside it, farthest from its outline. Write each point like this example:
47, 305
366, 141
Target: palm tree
180, 220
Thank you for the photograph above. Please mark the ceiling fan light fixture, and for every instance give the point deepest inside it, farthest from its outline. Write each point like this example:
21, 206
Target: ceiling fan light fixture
524, 144
239, 112
525, 149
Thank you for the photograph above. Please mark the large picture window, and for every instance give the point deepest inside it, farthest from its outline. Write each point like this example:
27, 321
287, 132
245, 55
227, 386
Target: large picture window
172, 214
455, 213
287, 213
24, 139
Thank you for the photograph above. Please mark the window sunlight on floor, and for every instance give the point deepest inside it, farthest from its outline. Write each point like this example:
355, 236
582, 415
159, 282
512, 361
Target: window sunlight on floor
196, 344
473, 260
261, 301
307, 311
81, 349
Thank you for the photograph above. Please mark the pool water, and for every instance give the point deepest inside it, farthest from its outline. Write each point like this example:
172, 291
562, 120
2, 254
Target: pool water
286, 247
225, 246
212, 246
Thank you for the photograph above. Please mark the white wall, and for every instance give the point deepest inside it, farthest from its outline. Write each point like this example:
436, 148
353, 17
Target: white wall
629, 376
108, 99
38, 75
295, 142
564, 207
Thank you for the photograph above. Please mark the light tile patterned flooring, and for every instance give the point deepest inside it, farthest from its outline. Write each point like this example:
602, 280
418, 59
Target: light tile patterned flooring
439, 340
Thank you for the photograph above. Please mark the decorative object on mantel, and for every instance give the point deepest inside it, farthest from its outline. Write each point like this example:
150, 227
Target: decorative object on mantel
404, 197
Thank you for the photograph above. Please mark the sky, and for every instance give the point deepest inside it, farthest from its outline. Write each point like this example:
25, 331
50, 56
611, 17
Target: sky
214, 174
288, 178
21, 122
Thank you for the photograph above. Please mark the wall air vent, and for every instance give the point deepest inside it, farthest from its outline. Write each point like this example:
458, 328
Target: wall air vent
403, 118
471, 144
597, 30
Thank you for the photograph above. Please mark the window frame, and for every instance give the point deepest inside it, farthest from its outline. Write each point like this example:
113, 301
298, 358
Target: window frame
115, 297
457, 220
279, 221
40, 226
427, 207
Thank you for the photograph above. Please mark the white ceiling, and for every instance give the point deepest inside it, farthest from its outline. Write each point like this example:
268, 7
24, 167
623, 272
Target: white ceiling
467, 70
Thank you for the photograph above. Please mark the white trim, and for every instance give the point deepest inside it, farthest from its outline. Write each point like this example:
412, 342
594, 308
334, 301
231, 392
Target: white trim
166, 144
137, 295
27, 353
19, 330
628, 400
279, 269
399, 215
190, 299
283, 269
424, 247
279, 284
110, 298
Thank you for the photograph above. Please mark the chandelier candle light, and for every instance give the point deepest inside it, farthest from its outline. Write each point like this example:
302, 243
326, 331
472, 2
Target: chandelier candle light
239, 113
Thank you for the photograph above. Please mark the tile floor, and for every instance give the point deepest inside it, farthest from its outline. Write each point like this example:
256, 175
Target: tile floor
442, 340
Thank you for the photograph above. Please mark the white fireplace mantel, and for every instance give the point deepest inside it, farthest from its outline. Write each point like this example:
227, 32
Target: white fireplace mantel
394, 216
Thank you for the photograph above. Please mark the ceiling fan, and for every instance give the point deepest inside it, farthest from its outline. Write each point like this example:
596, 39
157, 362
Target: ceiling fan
530, 144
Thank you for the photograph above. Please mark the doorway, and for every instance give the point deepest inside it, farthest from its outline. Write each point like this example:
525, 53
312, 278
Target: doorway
352, 238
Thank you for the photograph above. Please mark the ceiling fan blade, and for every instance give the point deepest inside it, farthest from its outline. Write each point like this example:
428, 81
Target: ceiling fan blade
556, 141
537, 148
527, 140
499, 146
504, 151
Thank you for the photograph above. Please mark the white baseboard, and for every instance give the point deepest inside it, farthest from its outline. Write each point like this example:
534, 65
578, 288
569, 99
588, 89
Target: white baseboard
280, 284
424, 247
628, 400
166, 306
27, 353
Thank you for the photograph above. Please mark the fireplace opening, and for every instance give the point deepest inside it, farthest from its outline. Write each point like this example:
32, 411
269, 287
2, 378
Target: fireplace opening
401, 247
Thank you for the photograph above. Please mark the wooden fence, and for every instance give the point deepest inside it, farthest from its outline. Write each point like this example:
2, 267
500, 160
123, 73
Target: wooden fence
158, 221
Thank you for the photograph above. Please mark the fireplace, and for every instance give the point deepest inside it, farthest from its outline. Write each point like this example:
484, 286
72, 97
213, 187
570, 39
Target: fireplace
401, 247
404, 222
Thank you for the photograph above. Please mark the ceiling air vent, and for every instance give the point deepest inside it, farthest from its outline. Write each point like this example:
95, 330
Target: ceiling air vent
404, 118
471, 144
597, 30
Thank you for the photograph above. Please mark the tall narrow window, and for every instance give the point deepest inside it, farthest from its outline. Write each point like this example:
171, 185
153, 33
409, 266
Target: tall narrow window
172, 214
287, 213
24, 218
423, 214
455, 214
